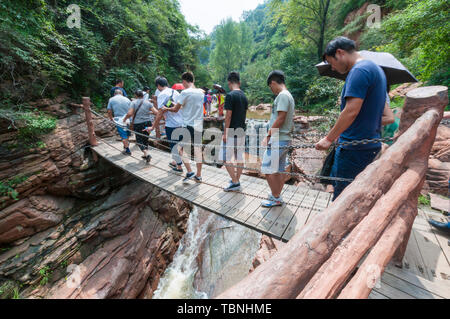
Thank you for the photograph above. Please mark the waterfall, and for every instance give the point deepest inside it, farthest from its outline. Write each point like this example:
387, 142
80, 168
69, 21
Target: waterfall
177, 281
214, 254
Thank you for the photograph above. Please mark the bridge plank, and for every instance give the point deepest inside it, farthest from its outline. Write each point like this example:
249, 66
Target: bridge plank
231, 199
436, 265
238, 211
300, 218
273, 222
437, 287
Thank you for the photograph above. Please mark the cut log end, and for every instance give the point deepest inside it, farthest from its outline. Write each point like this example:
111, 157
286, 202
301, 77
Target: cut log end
427, 92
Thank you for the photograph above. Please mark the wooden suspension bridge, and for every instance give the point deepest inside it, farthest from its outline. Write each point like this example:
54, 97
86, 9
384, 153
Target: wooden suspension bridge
310, 221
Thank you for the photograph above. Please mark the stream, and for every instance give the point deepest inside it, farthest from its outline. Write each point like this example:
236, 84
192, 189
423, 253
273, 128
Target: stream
213, 255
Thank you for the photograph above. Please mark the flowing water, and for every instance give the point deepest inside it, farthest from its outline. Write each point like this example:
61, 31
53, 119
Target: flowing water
214, 254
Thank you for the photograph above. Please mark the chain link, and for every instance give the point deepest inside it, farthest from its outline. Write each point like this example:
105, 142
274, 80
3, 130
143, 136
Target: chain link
290, 147
213, 185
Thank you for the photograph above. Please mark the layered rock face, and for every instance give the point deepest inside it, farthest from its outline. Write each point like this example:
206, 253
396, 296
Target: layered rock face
81, 228
438, 174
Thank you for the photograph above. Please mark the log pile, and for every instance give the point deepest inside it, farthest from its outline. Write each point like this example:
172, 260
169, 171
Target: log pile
375, 215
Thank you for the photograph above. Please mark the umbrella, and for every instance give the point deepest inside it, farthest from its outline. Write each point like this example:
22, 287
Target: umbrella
178, 86
396, 73
219, 88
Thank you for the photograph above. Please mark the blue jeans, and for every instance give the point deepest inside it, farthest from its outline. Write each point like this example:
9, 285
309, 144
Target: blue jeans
349, 164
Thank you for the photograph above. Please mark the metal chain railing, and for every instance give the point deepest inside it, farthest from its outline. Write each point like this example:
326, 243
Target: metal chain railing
213, 185
290, 147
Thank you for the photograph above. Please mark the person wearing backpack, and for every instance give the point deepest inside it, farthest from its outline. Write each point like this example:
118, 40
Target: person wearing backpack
167, 97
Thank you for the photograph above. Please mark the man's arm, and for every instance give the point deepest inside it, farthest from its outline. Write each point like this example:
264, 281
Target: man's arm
347, 117
129, 114
281, 118
388, 115
110, 115
174, 109
154, 111
158, 118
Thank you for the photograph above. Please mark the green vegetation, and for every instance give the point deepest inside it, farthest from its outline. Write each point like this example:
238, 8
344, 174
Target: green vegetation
45, 274
424, 200
137, 40
40, 56
10, 290
291, 35
7, 188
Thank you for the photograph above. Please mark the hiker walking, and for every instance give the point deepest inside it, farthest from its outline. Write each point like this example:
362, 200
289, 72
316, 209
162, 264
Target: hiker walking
167, 98
233, 143
278, 139
118, 107
141, 112
190, 102
362, 107
118, 86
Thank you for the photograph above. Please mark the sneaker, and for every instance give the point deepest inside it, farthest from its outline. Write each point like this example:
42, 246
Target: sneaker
188, 177
233, 187
172, 166
272, 202
127, 153
177, 170
198, 179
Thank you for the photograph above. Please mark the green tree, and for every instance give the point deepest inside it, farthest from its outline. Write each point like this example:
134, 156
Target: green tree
306, 21
226, 55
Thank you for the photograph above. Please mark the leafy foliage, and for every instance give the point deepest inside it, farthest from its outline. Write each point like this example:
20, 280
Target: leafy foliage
41, 56
8, 188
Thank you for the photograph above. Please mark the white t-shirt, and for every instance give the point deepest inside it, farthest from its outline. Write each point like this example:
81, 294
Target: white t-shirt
173, 120
192, 102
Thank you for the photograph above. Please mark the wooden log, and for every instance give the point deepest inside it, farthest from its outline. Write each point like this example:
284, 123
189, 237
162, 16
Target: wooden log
287, 272
419, 101
90, 124
373, 267
332, 276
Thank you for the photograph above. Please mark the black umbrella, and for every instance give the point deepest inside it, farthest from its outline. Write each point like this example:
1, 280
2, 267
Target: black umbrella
396, 73
219, 88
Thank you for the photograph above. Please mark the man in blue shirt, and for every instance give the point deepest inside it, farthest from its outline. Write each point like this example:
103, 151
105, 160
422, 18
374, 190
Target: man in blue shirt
363, 103
118, 86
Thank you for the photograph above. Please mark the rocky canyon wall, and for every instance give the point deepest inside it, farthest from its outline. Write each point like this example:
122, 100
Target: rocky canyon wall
80, 228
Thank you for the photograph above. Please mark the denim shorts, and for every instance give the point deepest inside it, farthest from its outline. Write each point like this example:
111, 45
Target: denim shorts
123, 132
274, 159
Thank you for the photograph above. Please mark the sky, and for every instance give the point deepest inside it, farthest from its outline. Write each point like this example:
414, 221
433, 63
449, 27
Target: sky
208, 13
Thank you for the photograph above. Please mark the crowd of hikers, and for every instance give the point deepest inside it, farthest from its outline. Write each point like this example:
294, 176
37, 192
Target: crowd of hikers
364, 110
